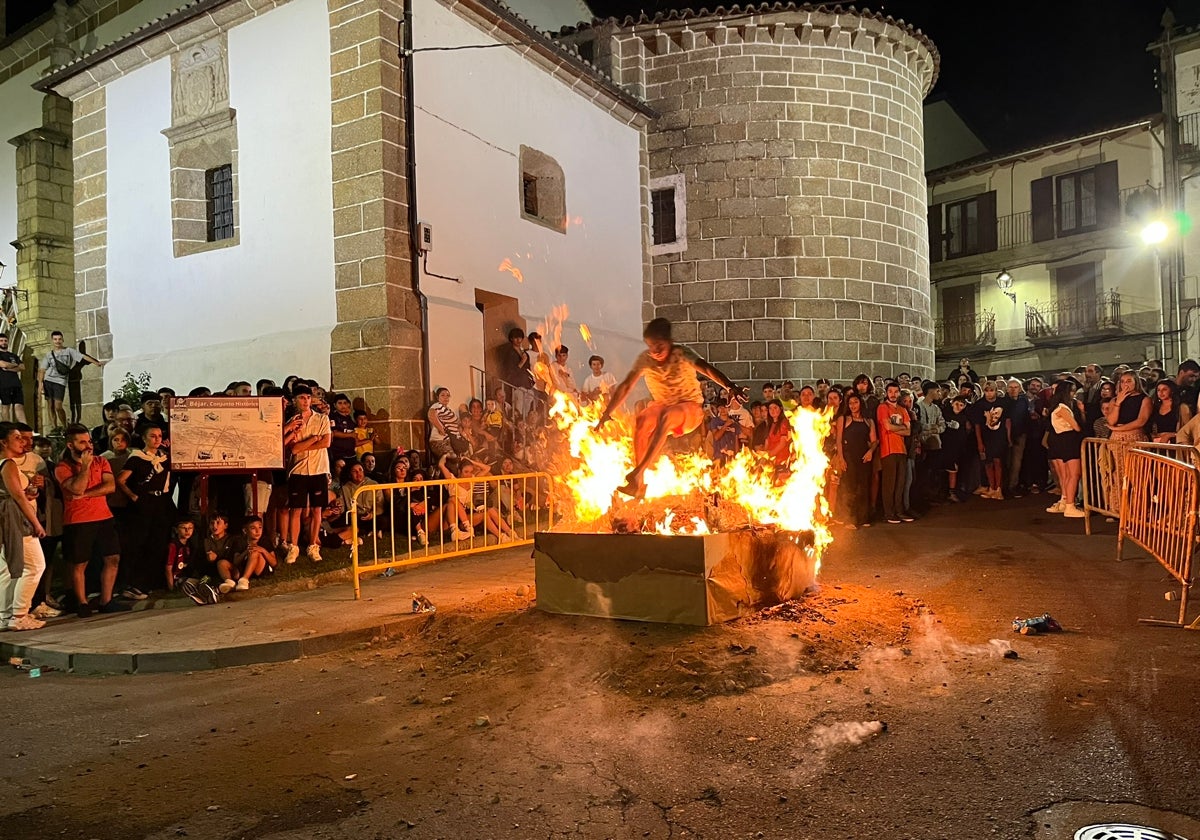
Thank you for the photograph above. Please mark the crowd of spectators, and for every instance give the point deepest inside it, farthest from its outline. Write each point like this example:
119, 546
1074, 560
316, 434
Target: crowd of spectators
122, 524
899, 446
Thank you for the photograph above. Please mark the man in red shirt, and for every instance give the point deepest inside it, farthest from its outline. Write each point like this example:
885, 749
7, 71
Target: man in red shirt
87, 521
893, 424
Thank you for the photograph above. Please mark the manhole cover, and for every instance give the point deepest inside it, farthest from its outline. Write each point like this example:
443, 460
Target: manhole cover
1123, 831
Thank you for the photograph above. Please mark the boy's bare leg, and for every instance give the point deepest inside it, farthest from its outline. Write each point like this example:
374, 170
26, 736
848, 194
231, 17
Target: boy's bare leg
654, 426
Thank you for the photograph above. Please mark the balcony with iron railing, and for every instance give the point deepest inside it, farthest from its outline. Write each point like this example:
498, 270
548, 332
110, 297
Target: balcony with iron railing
962, 332
1069, 317
1189, 137
1016, 229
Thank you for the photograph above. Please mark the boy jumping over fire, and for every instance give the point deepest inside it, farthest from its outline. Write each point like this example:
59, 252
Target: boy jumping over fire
677, 405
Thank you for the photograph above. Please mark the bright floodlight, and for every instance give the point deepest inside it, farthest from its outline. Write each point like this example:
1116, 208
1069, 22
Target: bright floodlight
1154, 233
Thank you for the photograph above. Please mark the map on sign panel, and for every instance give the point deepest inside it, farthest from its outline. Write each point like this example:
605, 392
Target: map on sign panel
226, 433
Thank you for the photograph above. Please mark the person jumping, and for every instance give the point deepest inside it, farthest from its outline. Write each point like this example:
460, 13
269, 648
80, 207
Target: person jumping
677, 405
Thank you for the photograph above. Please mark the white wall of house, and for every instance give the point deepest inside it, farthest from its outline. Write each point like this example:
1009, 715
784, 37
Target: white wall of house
1131, 269
475, 108
21, 110
264, 307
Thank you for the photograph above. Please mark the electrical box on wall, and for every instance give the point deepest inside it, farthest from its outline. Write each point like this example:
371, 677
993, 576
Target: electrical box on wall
424, 237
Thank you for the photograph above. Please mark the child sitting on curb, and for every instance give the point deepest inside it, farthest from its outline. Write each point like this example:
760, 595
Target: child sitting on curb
253, 559
180, 566
218, 552
184, 571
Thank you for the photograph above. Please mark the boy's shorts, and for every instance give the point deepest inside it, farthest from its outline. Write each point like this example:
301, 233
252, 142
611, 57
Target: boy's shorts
307, 491
54, 391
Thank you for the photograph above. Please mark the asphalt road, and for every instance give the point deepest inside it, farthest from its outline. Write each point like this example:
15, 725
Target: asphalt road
502, 722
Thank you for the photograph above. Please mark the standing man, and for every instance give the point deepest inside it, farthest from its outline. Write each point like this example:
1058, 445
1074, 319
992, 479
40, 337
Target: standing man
677, 403
1019, 414
55, 371
12, 396
307, 437
894, 425
86, 480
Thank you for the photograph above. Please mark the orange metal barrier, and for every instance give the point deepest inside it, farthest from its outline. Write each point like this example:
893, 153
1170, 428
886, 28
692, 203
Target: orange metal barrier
1159, 496
1103, 466
418, 522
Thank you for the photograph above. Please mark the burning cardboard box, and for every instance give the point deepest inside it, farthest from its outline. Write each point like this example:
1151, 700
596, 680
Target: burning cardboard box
699, 580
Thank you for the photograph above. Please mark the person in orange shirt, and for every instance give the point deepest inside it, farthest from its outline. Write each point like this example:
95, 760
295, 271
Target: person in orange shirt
894, 425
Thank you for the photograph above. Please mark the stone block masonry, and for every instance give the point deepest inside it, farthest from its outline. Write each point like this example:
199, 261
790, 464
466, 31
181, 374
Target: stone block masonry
799, 134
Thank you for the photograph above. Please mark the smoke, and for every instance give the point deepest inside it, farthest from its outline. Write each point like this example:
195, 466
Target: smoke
846, 733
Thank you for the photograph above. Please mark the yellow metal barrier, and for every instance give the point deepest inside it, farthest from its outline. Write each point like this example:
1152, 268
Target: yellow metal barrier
418, 522
1159, 495
1103, 466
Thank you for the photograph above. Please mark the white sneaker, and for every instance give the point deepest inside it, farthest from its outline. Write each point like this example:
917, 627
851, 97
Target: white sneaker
313, 552
1072, 512
227, 586
1057, 507
26, 622
458, 535
293, 552
504, 538
241, 586
44, 611
422, 538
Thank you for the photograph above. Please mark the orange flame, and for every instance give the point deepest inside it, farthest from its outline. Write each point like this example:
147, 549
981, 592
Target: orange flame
506, 265
587, 336
749, 489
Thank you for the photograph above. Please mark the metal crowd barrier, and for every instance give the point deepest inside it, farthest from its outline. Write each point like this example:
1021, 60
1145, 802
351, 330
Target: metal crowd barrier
1103, 466
1159, 496
390, 519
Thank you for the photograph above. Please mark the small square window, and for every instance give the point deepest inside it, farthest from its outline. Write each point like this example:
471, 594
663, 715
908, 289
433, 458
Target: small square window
218, 194
529, 195
662, 210
668, 215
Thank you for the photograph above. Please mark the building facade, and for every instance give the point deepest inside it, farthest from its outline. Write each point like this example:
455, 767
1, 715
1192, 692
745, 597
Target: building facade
787, 185
1037, 257
234, 221
372, 195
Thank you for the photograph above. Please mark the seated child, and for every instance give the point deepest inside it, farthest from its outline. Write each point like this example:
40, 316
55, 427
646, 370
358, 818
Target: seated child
185, 572
364, 435
252, 558
180, 565
218, 553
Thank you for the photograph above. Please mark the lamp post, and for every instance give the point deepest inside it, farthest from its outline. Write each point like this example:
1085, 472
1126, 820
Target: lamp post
1154, 234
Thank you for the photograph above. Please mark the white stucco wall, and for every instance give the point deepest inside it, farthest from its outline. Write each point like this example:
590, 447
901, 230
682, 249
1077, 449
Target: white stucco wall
264, 307
475, 108
21, 110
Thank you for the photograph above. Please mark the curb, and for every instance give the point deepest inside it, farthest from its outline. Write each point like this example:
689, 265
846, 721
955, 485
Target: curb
160, 662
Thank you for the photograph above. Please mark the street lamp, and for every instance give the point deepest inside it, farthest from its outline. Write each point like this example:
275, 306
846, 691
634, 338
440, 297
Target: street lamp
1155, 233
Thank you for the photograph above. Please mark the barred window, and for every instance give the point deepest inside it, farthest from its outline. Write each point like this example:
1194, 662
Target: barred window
218, 193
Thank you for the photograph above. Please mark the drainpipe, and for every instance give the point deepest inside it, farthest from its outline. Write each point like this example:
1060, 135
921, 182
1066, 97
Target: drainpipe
410, 153
1173, 262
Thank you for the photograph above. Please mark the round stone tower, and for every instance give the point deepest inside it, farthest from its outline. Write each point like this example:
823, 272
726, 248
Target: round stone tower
789, 151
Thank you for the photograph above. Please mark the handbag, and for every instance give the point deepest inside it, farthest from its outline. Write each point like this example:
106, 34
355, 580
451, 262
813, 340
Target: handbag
62, 368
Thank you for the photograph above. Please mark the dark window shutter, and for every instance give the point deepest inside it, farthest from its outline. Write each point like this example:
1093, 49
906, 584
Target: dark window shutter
987, 222
1108, 205
1041, 197
937, 238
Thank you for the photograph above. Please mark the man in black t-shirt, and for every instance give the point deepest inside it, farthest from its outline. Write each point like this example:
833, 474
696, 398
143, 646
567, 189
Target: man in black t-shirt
12, 397
341, 425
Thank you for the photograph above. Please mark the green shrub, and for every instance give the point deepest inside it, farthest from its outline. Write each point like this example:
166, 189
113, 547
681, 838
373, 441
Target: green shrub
131, 388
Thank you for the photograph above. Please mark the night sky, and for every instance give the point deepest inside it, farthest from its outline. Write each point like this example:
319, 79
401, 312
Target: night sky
1021, 73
